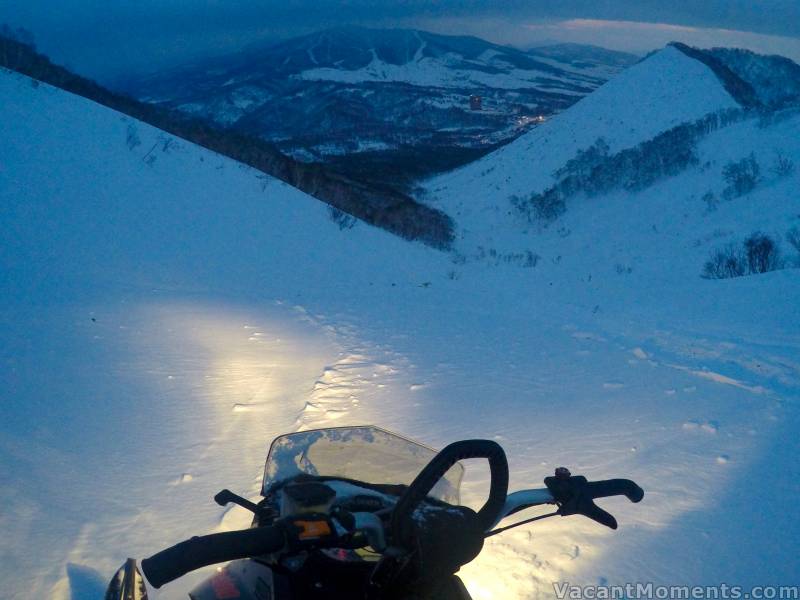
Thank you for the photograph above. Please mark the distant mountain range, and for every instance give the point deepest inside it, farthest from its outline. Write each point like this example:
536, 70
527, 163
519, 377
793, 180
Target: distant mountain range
392, 105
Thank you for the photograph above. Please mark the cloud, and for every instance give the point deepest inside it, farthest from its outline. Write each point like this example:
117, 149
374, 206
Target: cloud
113, 39
636, 36
617, 26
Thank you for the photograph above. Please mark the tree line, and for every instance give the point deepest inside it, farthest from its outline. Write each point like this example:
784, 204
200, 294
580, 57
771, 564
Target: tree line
595, 170
373, 203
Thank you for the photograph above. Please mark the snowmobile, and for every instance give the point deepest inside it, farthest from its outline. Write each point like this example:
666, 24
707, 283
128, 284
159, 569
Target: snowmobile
363, 514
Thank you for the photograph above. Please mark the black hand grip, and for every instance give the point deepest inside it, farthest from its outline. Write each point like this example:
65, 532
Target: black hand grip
615, 487
175, 562
438, 467
575, 496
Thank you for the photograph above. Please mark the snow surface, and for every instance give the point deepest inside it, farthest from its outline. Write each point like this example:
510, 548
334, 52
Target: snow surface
166, 312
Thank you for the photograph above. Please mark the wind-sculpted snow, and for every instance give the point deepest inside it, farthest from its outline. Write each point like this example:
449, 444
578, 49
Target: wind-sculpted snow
166, 312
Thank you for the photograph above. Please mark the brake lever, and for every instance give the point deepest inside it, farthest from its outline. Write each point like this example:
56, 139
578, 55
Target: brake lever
225, 497
568, 492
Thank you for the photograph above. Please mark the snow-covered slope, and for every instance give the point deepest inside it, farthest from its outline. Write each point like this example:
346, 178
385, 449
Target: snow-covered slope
137, 380
775, 79
423, 59
660, 92
632, 113
584, 58
164, 312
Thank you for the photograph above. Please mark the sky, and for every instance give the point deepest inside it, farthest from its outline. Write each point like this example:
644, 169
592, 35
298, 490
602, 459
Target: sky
114, 40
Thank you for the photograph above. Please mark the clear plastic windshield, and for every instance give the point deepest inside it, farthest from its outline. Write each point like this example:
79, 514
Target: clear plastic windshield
367, 454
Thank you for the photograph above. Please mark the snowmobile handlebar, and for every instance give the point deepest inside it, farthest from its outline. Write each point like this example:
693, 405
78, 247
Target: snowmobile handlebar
197, 552
615, 487
438, 467
574, 495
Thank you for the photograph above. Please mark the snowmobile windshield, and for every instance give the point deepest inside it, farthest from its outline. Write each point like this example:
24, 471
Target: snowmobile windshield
368, 454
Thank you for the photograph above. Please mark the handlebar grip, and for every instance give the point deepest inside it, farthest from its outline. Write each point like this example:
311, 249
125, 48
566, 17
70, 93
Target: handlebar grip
440, 464
575, 495
615, 487
197, 552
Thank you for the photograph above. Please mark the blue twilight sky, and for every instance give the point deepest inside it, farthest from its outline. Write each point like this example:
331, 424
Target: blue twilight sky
107, 40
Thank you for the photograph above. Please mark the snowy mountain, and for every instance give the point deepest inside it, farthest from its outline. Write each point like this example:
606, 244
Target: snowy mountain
384, 104
166, 311
775, 79
653, 114
585, 57
376, 204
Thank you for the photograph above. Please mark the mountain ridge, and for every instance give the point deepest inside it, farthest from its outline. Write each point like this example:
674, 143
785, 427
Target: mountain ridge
641, 128
667, 79
394, 105
362, 39
376, 204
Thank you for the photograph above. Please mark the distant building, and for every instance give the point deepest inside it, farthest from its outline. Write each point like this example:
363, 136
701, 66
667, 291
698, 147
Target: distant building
475, 102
